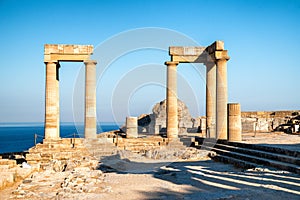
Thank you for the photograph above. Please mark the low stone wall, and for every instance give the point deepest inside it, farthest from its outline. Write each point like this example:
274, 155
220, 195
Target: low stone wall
140, 144
59, 153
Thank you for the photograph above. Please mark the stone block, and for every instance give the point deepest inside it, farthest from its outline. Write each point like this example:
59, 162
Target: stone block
33, 156
4, 168
64, 52
6, 179
62, 156
22, 173
131, 127
10, 163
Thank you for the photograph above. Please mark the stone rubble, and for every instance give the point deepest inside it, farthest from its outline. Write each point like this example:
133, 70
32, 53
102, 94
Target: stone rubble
63, 182
70, 179
180, 154
188, 153
10, 172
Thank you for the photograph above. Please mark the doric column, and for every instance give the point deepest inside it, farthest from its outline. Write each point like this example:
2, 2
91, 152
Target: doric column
221, 99
211, 99
234, 122
90, 123
58, 104
172, 116
52, 101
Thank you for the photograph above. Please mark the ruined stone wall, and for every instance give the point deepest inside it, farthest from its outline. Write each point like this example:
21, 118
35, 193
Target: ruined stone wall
260, 121
265, 121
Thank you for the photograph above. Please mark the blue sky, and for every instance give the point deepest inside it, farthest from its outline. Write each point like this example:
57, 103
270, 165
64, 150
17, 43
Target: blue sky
262, 38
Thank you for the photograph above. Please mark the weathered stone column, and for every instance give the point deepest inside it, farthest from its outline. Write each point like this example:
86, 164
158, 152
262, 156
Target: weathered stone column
234, 122
172, 116
58, 104
221, 99
131, 127
211, 99
90, 123
52, 101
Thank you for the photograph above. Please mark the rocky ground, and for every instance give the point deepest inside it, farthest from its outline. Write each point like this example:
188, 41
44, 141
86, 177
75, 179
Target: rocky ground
157, 174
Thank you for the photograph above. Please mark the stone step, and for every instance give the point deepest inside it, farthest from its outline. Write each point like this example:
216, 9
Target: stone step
236, 162
258, 160
140, 142
266, 148
188, 141
260, 153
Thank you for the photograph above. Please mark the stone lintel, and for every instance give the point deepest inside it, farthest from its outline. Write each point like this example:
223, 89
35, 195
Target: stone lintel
186, 51
190, 59
216, 46
64, 52
188, 54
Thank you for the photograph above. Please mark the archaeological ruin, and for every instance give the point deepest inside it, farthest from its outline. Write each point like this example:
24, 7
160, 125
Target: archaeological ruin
53, 55
214, 57
217, 136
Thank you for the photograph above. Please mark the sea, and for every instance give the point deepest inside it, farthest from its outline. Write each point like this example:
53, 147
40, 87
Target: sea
19, 137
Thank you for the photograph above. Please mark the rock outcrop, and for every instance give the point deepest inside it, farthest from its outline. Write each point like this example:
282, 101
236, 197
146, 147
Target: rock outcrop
155, 123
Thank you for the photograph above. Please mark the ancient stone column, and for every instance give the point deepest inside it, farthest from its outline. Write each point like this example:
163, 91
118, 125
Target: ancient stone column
90, 123
211, 99
131, 127
234, 122
58, 105
172, 116
52, 101
221, 99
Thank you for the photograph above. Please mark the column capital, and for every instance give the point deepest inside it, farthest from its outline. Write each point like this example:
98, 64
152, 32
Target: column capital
171, 63
88, 62
51, 61
219, 55
234, 108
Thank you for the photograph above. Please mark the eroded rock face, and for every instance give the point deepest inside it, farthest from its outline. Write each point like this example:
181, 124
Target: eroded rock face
156, 122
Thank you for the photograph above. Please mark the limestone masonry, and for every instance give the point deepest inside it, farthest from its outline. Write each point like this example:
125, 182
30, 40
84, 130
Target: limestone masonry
53, 55
167, 134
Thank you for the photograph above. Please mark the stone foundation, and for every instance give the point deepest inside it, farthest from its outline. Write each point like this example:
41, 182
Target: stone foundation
66, 149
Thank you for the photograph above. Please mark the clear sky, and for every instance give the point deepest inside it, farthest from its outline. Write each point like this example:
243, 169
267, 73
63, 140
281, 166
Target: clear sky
262, 38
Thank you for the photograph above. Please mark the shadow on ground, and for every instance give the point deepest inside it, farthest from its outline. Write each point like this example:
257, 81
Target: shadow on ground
212, 180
